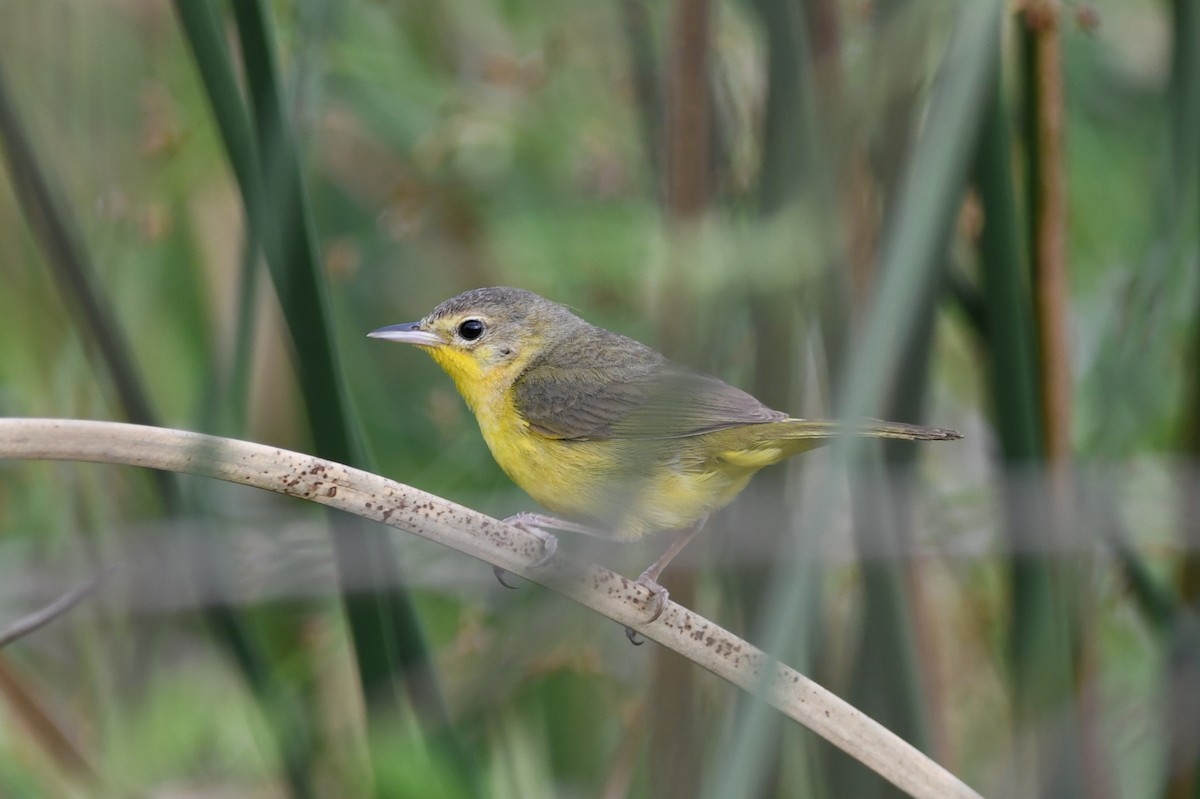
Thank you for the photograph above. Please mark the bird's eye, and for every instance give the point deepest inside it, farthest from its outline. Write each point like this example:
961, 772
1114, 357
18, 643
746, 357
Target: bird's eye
471, 329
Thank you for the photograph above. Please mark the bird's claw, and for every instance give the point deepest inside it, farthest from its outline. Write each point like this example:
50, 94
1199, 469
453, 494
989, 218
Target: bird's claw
656, 605
549, 545
499, 572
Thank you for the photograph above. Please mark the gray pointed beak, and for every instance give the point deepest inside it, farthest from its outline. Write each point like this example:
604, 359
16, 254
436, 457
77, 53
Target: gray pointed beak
407, 333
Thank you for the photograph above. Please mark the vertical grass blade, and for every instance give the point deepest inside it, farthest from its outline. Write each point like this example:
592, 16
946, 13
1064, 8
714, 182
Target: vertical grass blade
911, 261
675, 745
789, 172
391, 655
635, 17
1182, 682
1038, 634
1047, 187
1074, 649
57, 234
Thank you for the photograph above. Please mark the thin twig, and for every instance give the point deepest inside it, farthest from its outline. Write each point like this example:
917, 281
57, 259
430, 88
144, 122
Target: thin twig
58, 607
511, 548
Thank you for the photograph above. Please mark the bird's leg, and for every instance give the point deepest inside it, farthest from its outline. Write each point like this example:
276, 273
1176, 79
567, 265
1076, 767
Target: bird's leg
649, 578
535, 524
529, 521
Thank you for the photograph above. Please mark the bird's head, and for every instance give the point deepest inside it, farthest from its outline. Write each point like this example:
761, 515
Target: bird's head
485, 337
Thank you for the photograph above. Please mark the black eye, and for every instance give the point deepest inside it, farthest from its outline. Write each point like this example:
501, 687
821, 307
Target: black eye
471, 329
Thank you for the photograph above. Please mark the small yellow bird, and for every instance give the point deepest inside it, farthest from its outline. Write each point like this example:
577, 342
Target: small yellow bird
604, 429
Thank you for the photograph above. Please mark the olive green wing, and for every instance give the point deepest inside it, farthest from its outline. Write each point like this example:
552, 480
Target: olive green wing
620, 389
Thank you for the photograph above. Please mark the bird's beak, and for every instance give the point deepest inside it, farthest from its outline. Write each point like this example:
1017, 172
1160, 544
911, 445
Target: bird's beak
407, 333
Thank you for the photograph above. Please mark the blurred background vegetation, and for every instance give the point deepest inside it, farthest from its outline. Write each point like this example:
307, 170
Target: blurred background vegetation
973, 214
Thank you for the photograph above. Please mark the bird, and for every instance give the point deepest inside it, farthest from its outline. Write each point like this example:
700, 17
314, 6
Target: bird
604, 430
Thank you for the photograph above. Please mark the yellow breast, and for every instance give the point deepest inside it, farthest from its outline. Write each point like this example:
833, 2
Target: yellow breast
628, 487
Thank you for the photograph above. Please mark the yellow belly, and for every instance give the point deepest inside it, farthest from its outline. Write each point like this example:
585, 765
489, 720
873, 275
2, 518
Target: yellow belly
628, 487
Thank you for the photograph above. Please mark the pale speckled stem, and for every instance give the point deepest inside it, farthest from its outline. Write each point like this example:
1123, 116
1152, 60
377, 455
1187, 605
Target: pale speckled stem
511, 548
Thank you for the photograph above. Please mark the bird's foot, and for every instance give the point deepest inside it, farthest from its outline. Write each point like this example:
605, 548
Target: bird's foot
500, 575
656, 605
549, 544
528, 523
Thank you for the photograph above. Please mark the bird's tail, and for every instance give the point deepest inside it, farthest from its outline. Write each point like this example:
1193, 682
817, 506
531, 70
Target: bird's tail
754, 446
821, 430
793, 436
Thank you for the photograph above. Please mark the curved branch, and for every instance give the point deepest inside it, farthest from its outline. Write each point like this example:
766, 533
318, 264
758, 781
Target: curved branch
512, 549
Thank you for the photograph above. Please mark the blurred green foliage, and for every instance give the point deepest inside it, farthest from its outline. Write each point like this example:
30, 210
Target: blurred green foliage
449, 145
